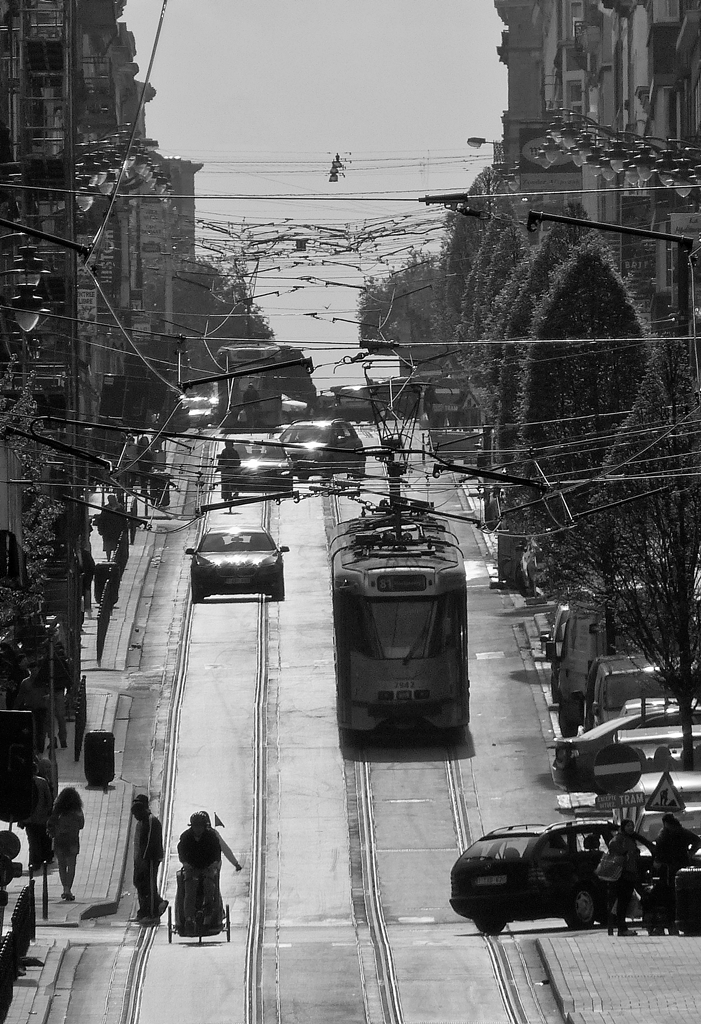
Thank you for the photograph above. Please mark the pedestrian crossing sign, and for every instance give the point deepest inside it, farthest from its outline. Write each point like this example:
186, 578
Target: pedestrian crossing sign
665, 796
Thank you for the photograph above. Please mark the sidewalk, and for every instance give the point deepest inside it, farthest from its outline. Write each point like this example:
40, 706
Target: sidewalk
597, 979
104, 843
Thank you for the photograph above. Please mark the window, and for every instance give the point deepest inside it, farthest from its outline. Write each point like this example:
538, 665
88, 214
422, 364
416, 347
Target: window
225, 542
576, 17
554, 847
590, 842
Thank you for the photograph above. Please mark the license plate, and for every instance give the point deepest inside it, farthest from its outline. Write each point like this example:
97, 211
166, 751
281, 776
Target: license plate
490, 880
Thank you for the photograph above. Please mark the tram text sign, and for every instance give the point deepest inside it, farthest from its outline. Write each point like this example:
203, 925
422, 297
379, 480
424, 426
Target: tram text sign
402, 583
617, 768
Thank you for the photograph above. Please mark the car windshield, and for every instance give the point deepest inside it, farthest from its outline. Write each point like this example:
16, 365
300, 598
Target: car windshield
306, 432
260, 451
651, 821
245, 541
499, 848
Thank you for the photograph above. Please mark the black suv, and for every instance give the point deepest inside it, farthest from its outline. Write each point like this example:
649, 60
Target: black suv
527, 872
323, 447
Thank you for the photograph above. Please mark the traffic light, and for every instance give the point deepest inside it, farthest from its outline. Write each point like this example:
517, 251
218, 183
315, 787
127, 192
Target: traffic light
16, 765
9, 849
9, 869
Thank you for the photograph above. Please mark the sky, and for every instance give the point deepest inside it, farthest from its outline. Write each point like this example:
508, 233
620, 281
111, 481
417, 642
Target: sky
265, 93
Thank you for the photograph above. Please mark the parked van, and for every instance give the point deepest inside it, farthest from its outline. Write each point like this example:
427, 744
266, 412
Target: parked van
614, 679
577, 638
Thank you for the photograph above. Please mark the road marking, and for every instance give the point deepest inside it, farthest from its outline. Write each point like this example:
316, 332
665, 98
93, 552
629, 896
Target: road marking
485, 655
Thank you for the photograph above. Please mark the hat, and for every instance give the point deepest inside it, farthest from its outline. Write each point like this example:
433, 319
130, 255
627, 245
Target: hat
140, 800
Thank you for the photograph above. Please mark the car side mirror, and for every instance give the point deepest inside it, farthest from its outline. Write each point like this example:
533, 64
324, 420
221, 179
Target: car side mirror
189, 551
284, 548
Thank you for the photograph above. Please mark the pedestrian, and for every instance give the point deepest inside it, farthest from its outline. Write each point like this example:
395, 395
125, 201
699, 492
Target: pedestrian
673, 850
111, 524
624, 846
64, 826
148, 854
228, 465
127, 463
87, 574
250, 405
33, 695
144, 465
62, 678
13, 669
39, 840
200, 850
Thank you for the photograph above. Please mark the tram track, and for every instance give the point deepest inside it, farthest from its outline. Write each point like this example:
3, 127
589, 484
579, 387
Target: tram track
364, 861
252, 969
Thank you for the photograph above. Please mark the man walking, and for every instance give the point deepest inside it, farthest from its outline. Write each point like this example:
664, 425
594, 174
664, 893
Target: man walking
148, 854
229, 464
673, 849
111, 523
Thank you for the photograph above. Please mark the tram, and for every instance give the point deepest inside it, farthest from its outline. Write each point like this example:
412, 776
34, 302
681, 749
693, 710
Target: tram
281, 396
400, 623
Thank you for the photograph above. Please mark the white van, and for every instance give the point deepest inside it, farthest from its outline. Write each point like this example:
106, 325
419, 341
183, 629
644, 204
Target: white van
614, 679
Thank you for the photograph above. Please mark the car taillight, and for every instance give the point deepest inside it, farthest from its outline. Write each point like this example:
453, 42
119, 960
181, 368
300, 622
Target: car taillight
563, 756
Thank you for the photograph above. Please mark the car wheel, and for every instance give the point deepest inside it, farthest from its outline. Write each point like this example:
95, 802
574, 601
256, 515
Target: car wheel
570, 715
198, 594
278, 591
582, 911
490, 925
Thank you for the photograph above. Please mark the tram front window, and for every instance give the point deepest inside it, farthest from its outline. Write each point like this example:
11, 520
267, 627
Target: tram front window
400, 629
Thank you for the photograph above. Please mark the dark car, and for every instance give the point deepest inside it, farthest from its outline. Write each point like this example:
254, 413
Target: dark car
237, 560
324, 447
529, 872
264, 467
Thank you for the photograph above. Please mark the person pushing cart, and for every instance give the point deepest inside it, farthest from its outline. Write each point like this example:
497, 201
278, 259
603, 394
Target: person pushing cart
200, 850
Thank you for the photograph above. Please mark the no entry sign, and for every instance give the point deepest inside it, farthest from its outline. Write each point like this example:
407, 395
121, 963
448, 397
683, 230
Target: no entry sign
617, 768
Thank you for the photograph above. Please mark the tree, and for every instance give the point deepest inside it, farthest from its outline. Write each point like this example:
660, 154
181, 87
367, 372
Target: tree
401, 307
657, 534
581, 376
586, 363
22, 600
502, 250
533, 279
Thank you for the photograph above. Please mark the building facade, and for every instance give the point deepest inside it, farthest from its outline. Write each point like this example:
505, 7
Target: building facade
76, 164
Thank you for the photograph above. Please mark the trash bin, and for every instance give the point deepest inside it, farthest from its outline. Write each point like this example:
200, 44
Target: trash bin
98, 757
687, 892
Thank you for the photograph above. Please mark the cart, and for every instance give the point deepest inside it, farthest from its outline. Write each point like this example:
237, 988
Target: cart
211, 917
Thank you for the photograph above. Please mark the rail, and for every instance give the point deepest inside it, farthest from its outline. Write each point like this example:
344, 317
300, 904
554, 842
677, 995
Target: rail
24, 922
15, 944
7, 973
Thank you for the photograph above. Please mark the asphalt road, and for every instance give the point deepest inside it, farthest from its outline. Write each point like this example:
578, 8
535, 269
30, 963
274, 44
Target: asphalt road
316, 961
